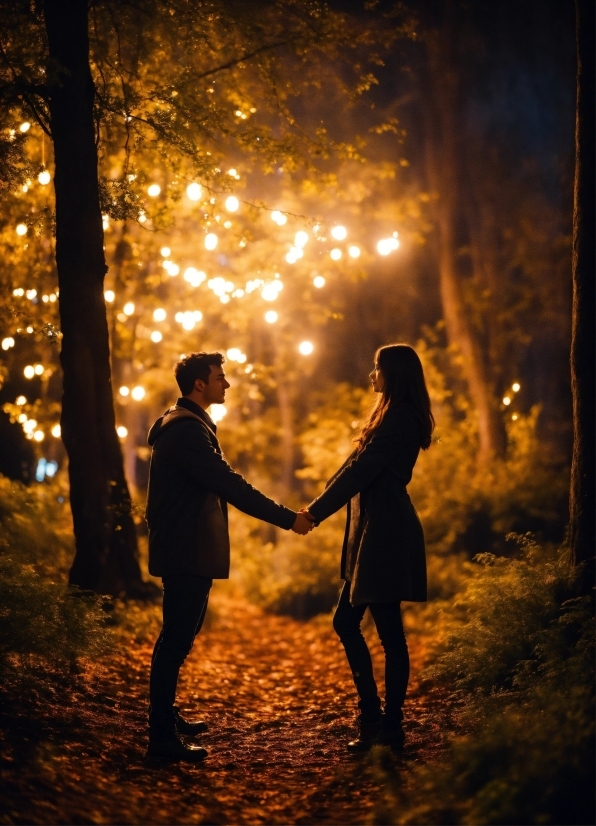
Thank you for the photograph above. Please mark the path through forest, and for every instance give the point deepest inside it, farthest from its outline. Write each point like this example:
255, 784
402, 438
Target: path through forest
280, 705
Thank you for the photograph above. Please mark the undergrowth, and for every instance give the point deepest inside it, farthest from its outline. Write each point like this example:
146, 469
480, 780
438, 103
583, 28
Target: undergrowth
517, 647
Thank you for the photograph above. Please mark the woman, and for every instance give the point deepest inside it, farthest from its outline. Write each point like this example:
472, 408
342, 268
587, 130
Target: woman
383, 557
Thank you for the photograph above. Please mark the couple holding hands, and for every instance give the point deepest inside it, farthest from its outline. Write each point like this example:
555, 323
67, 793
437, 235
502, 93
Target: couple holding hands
383, 557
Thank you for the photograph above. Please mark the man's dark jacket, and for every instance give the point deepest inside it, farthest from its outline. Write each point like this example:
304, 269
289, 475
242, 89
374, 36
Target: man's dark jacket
383, 554
190, 483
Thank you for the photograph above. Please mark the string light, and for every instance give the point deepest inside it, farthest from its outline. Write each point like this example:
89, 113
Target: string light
387, 245
25, 127
109, 296
194, 191
56, 431
124, 390
335, 254
21, 229
44, 177
318, 281
506, 400
306, 348
154, 190
279, 218
7, 343
165, 252
339, 233
271, 316
194, 276
20, 400
232, 203
354, 251
138, 393
301, 239
156, 336
210, 241
39, 436
516, 387
122, 431
159, 314
128, 308
38, 369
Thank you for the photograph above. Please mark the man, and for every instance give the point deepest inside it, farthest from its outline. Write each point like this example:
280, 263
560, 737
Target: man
190, 484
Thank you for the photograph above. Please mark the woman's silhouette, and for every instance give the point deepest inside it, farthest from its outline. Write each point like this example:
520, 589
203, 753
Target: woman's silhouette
383, 557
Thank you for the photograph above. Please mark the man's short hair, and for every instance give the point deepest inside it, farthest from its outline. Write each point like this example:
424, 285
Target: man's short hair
195, 366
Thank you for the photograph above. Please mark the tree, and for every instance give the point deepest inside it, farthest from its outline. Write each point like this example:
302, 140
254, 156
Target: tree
582, 493
170, 81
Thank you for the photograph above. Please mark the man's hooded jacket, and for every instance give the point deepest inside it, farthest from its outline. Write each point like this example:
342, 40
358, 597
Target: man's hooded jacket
190, 484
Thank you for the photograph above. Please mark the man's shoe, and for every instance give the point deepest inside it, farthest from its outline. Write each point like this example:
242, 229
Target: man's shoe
190, 729
173, 750
391, 734
367, 737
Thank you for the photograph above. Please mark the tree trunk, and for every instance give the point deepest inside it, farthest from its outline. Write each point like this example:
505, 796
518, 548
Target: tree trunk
106, 553
444, 176
582, 492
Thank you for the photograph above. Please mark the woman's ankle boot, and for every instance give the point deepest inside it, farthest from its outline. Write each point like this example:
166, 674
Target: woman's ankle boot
368, 731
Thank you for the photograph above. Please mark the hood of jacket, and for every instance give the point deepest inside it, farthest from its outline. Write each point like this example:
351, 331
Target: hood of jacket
172, 414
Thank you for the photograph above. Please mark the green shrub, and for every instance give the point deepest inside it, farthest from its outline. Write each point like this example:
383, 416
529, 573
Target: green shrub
519, 655
42, 621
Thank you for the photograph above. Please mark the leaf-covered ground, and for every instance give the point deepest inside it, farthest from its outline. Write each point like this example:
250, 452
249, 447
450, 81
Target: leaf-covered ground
280, 704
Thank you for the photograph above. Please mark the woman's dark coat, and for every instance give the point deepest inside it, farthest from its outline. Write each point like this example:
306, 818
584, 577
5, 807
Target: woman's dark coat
383, 554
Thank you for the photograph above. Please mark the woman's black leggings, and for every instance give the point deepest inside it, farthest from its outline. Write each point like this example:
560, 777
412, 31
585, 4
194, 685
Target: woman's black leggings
387, 618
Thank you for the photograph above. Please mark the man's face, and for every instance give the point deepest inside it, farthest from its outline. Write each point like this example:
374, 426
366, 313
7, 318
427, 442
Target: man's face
214, 392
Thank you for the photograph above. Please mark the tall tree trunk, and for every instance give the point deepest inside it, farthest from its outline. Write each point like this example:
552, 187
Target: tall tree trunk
106, 553
444, 176
582, 492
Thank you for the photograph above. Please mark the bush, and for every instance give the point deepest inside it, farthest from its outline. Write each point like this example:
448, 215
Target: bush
519, 654
42, 621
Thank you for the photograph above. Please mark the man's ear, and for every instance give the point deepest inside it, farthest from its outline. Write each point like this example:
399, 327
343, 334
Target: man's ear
199, 385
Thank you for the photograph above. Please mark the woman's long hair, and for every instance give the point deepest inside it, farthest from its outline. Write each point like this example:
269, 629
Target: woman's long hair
403, 375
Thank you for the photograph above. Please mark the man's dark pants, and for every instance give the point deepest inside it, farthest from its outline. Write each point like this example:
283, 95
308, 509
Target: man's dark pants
387, 619
184, 605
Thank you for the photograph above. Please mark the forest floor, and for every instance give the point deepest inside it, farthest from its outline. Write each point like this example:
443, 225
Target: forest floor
280, 704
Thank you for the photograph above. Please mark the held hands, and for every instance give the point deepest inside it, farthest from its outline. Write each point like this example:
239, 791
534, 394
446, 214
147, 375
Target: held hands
304, 523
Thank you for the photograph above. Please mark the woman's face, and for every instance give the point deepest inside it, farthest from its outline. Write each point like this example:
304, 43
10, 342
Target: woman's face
376, 378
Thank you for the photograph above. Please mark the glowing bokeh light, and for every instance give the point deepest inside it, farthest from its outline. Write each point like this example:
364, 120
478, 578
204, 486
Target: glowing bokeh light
271, 316
354, 251
306, 348
56, 431
156, 336
29, 371
154, 190
232, 203
335, 254
38, 368
506, 400
217, 412
165, 252
138, 393
194, 191
210, 241
21, 229
194, 276
25, 126
318, 281
20, 400
301, 238
109, 296
44, 177
159, 314
39, 436
7, 343
122, 431
339, 233
516, 387
124, 390
128, 308
279, 218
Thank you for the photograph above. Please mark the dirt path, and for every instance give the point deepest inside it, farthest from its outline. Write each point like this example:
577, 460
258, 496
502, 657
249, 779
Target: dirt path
280, 704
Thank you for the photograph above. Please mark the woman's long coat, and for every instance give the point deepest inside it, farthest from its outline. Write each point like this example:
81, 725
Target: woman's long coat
383, 554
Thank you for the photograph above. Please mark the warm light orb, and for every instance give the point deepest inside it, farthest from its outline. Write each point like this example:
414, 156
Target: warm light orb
21, 229
232, 173
156, 336
279, 218
29, 371
44, 177
7, 343
56, 431
124, 390
301, 238
271, 316
354, 251
335, 254
109, 296
506, 400
194, 276
339, 233
516, 387
232, 203
318, 281
165, 252
217, 412
306, 348
20, 400
210, 241
25, 127
159, 314
171, 268
122, 431
154, 190
128, 308
515, 417
194, 191
138, 393
39, 435
271, 290
387, 245
38, 368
